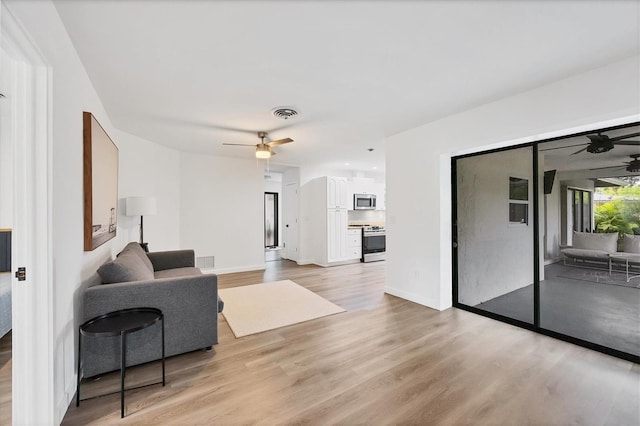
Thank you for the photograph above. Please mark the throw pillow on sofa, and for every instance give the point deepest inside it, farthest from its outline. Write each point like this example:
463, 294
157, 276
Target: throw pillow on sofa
596, 241
128, 266
137, 249
631, 244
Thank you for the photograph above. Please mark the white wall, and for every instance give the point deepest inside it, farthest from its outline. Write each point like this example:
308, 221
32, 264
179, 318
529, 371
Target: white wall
222, 210
494, 255
418, 165
72, 93
149, 169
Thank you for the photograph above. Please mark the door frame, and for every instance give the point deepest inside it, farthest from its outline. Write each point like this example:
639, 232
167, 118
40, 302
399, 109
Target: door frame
291, 204
33, 393
536, 243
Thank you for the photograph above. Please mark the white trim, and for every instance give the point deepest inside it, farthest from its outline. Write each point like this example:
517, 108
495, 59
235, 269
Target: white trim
549, 135
222, 271
33, 392
415, 298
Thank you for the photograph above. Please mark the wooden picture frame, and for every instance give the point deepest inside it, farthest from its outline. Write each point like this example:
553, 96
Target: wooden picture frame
100, 164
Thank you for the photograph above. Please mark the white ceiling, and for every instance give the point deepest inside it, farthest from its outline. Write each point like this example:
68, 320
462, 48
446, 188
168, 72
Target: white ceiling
194, 74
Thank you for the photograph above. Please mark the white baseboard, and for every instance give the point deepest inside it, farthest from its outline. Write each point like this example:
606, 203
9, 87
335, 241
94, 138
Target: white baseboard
304, 262
63, 404
221, 271
342, 262
415, 298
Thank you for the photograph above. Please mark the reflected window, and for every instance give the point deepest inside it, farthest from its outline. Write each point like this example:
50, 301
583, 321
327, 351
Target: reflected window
518, 201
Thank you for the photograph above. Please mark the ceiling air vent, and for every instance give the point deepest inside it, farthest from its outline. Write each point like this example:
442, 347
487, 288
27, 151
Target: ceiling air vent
284, 112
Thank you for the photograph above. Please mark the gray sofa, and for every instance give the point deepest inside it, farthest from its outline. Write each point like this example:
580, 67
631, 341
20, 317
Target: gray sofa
596, 250
591, 249
168, 281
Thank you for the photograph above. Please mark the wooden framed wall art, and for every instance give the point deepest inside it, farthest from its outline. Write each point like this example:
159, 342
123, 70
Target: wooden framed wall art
100, 184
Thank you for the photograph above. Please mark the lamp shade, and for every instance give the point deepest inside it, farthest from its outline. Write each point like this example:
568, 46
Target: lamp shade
140, 206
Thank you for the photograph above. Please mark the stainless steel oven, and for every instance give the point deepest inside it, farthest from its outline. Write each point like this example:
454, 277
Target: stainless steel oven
374, 243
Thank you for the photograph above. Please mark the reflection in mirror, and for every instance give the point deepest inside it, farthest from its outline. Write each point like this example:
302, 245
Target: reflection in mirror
495, 239
591, 286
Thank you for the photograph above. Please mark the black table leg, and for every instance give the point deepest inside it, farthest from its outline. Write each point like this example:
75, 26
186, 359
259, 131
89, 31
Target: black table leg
123, 351
79, 364
162, 321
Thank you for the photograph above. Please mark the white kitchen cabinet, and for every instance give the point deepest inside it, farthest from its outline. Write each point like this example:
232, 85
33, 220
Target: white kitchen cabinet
328, 219
354, 243
336, 235
366, 186
336, 192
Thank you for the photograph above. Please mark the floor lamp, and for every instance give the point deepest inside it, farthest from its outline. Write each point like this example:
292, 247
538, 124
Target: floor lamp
141, 206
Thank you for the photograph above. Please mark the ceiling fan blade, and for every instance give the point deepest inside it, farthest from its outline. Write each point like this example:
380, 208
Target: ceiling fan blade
629, 143
619, 138
239, 144
610, 167
579, 151
279, 142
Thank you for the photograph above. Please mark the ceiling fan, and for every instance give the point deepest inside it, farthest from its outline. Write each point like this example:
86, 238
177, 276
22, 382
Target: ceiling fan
263, 149
632, 166
602, 143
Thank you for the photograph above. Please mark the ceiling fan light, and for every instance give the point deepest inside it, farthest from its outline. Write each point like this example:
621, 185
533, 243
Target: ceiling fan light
263, 152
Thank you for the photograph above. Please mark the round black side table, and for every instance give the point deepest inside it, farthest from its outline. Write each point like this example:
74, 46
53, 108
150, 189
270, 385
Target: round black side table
119, 323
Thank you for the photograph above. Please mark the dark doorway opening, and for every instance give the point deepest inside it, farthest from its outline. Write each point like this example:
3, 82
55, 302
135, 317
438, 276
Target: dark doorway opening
271, 219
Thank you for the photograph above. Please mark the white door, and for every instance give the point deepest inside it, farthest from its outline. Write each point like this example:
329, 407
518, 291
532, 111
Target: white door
25, 135
291, 221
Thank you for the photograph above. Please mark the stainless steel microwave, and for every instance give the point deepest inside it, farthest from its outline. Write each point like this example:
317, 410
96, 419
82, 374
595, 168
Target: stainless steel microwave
364, 202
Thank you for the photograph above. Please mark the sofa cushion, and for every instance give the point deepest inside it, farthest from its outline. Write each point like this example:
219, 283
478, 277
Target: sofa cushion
177, 272
586, 253
591, 241
137, 249
126, 267
631, 243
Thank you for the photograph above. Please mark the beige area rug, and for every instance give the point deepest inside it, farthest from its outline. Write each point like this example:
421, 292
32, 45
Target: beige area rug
256, 308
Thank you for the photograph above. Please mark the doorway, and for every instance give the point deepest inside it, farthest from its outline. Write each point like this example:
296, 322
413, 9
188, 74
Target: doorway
271, 220
581, 209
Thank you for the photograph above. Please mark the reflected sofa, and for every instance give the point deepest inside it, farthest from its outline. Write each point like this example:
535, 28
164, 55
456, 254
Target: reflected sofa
595, 250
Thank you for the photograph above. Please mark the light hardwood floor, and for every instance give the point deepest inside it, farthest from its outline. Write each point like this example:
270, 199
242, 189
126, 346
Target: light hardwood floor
385, 360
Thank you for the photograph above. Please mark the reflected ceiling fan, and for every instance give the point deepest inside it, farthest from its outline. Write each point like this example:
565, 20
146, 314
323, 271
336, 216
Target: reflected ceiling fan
632, 166
263, 149
602, 143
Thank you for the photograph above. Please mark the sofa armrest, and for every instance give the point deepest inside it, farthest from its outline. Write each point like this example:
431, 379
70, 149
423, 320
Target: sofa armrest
163, 260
